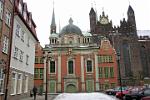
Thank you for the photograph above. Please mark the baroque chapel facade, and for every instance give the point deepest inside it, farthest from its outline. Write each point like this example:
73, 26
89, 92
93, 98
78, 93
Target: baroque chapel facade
74, 63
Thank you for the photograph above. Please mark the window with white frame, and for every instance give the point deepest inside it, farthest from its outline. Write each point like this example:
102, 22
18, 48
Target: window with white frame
8, 18
25, 84
16, 52
13, 83
21, 55
1, 9
19, 83
22, 35
27, 59
20, 6
1, 80
5, 45
18, 28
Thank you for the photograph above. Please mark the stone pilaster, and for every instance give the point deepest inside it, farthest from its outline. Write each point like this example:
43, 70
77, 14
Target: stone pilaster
96, 70
82, 74
59, 74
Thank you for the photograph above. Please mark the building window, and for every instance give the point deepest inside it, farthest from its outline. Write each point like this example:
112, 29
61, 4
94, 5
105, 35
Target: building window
36, 73
110, 59
41, 60
16, 52
21, 55
13, 84
28, 41
70, 42
78, 40
19, 83
111, 72
27, 59
105, 59
88, 39
106, 72
89, 66
127, 58
1, 80
36, 60
70, 67
1, 10
41, 73
8, 18
25, 84
5, 45
52, 41
18, 28
22, 36
100, 72
52, 66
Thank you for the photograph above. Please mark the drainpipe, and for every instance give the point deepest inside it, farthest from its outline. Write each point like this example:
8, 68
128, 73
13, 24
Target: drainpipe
10, 46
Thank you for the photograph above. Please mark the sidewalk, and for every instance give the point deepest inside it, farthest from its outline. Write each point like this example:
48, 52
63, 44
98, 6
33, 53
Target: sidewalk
39, 97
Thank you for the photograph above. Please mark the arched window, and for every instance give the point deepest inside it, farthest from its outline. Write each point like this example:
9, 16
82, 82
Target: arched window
52, 41
126, 58
144, 60
70, 67
88, 39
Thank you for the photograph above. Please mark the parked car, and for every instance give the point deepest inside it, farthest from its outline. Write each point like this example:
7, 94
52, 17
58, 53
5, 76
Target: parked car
115, 90
110, 91
138, 95
121, 94
146, 98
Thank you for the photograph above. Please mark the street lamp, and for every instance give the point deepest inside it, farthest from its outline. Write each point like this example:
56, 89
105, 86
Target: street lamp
47, 57
118, 62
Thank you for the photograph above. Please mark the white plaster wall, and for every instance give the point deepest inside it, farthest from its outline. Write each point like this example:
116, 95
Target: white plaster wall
28, 50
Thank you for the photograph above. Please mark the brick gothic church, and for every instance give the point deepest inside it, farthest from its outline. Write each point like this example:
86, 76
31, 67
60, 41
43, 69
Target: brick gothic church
134, 50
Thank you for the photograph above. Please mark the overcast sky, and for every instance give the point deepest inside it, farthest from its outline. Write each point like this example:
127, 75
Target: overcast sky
79, 11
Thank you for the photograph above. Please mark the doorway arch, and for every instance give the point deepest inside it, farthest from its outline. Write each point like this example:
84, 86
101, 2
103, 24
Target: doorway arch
71, 88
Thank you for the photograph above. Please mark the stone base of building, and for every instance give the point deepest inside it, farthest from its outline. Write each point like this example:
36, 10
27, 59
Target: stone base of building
24, 92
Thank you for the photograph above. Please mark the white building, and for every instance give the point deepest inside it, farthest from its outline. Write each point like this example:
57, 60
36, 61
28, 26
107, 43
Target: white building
22, 53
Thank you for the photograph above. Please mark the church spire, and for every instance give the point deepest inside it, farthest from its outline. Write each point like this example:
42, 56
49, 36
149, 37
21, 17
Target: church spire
53, 24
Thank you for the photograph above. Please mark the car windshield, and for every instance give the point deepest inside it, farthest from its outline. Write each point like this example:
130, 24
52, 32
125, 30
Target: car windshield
119, 88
